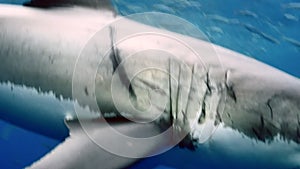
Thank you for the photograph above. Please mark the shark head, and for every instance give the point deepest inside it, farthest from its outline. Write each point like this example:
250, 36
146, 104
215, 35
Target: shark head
263, 102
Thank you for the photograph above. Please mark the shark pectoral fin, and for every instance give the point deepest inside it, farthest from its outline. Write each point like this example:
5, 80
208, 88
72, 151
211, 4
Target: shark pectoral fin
94, 144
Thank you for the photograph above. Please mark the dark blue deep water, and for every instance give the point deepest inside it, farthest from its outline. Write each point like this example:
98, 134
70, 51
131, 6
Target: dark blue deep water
268, 30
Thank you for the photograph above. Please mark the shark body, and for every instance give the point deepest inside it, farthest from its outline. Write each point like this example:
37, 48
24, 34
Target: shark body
54, 55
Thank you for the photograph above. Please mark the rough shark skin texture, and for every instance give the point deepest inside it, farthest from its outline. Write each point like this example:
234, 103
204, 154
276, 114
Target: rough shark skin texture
258, 100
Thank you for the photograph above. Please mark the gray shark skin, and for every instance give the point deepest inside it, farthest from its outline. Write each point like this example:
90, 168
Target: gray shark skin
39, 49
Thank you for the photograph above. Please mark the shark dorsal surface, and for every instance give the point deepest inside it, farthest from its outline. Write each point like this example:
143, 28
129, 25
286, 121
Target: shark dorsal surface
42, 55
96, 4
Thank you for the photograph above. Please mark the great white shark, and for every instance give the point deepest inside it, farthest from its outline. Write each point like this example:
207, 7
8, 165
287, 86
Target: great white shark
159, 79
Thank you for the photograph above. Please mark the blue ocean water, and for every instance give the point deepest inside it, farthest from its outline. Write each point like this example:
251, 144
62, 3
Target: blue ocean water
267, 30
19, 147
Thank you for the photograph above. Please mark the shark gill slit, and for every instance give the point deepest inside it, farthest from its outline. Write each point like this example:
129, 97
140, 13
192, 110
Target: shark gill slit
116, 62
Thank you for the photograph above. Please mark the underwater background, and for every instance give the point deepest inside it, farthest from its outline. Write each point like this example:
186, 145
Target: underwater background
267, 30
